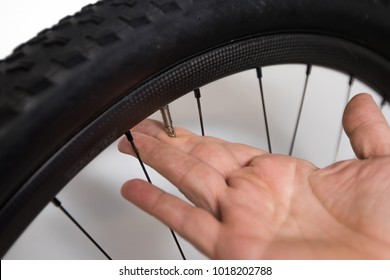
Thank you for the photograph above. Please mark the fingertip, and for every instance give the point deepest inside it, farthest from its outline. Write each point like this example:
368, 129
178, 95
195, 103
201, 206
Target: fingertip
125, 189
123, 145
366, 127
132, 190
360, 110
363, 95
354, 109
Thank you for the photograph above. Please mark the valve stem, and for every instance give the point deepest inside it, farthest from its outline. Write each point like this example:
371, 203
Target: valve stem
166, 115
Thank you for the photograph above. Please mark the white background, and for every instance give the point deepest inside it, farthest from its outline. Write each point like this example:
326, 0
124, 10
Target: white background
93, 197
281, 270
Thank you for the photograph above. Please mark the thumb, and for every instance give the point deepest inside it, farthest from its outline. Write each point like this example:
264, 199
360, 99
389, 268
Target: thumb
366, 127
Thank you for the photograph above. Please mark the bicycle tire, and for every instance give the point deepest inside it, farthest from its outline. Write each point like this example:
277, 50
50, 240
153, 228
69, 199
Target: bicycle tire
94, 75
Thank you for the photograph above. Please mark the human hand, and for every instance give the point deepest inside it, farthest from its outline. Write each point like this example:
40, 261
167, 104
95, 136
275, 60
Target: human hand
248, 204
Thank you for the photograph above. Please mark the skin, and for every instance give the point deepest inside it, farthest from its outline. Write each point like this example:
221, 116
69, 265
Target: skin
249, 204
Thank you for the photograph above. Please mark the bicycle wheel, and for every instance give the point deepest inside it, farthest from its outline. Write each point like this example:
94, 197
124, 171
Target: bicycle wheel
91, 77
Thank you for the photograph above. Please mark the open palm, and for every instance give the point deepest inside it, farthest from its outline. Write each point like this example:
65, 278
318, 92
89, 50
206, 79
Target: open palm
249, 204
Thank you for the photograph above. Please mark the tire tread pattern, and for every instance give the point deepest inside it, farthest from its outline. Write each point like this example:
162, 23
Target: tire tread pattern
69, 44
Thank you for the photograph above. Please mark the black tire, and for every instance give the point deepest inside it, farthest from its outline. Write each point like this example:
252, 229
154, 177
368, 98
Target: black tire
68, 93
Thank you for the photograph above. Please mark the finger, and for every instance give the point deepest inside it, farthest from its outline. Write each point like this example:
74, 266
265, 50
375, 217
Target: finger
366, 127
194, 224
157, 130
197, 180
184, 139
217, 152
200, 178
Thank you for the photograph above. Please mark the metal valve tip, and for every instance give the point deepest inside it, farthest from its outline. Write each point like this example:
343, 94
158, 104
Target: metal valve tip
171, 132
166, 115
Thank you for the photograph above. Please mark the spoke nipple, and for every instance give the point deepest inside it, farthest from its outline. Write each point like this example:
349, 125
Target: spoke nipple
166, 115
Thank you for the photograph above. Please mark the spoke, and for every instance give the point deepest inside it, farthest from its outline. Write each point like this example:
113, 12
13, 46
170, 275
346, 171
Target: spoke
131, 140
198, 96
58, 204
260, 77
308, 71
348, 96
